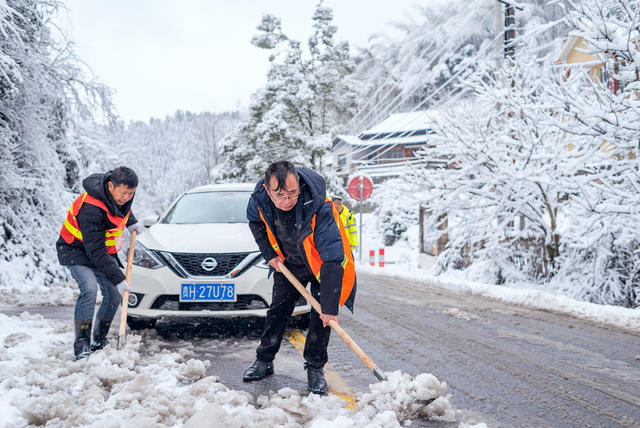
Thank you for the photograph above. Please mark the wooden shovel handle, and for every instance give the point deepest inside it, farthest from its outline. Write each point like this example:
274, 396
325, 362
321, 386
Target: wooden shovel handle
125, 294
333, 324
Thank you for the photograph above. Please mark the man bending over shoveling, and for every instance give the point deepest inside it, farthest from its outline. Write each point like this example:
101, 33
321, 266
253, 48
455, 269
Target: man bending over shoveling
89, 240
294, 223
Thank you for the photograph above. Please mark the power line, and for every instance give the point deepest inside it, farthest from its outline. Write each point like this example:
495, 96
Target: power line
391, 106
404, 120
390, 76
427, 69
367, 162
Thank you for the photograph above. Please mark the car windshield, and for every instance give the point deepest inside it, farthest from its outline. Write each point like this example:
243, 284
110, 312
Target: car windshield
210, 207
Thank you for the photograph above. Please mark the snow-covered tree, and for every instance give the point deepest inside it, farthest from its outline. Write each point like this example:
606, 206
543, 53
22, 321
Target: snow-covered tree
544, 179
503, 193
602, 114
172, 154
45, 97
305, 97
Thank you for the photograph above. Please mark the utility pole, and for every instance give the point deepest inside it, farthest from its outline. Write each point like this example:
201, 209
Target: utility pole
509, 30
508, 26
499, 23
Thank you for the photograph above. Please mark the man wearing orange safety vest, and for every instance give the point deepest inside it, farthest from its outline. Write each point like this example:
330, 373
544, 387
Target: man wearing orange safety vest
294, 222
90, 238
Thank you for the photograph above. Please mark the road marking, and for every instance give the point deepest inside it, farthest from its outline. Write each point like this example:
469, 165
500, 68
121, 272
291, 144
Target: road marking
337, 386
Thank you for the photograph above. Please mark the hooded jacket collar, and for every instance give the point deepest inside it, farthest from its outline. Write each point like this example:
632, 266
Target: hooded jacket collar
96, 186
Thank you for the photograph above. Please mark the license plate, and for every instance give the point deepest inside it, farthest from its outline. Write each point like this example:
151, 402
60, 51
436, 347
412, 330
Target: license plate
208, 292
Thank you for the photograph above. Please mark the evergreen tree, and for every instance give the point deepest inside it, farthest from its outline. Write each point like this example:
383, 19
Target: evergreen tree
305, 98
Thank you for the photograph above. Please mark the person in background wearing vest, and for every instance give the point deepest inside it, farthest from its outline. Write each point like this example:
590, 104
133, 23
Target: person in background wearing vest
348, 221
90, 238
294, 222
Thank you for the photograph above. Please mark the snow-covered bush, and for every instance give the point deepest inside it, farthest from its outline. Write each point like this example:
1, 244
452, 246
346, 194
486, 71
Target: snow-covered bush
396, 209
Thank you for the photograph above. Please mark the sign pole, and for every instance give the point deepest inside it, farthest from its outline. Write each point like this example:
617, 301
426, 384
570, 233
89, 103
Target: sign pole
361, 228
360, 188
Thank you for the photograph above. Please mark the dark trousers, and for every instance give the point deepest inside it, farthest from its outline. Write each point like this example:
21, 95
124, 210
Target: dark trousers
283, 301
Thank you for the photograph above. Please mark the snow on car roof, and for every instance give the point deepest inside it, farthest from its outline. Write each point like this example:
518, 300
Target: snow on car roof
247, 187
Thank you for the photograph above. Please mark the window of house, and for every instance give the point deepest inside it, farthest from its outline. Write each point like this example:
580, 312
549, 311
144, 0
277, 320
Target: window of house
393, 154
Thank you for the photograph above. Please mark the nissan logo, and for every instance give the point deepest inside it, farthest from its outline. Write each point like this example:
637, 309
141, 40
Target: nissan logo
209, 264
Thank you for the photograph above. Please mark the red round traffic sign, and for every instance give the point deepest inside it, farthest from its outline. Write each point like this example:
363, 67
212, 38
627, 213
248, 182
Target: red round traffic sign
360, 182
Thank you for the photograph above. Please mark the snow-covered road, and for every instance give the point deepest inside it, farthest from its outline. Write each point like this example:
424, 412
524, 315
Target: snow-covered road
505, 365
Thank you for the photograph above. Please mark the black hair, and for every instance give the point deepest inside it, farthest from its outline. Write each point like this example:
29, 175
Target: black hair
280, 170
124, 175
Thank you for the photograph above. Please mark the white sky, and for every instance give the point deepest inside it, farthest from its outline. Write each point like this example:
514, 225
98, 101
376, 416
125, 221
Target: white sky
196, 55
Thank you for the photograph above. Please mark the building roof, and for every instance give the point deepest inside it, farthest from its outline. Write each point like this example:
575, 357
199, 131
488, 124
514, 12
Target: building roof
402, 122
398, 129
574, 52
407, 140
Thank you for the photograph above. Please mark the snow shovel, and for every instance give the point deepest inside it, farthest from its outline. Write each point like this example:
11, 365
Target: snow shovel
334, 325
125, 294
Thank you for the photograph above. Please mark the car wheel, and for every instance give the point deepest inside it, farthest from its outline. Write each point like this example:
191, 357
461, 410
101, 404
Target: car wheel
140, 323
300, 321
186, 332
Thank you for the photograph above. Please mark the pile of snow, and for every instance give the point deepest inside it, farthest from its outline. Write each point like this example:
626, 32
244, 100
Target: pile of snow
398, 399
408, 397
144, 385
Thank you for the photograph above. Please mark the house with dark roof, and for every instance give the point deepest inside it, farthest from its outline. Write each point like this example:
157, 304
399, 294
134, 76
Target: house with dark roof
388, 148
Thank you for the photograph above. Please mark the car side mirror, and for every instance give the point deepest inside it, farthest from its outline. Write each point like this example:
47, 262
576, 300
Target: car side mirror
150, 220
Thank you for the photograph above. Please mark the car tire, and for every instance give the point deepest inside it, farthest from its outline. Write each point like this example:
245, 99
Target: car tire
140, 323
185, 332
300, 321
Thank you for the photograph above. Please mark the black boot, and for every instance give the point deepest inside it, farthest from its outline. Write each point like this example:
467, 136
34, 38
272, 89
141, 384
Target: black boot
82, 344
100, 331
258, 370
316, 382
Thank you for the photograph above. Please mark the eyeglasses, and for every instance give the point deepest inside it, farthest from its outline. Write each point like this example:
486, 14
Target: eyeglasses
282, 197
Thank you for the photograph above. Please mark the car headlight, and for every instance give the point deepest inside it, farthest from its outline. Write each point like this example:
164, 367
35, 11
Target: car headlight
144, 258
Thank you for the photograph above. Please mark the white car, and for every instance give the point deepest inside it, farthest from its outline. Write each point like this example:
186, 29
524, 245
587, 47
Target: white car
200, 262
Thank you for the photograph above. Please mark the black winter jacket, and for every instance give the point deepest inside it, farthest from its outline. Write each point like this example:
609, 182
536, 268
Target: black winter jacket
327, 239
93, 222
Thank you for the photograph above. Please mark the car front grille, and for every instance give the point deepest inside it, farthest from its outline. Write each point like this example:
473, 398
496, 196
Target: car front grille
170, 302
192, 263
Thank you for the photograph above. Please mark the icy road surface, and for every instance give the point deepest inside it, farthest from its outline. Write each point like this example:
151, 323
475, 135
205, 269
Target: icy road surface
513, 365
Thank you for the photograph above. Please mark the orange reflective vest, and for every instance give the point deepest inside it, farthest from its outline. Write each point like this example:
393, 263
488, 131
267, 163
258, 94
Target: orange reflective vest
112, 238
313, 257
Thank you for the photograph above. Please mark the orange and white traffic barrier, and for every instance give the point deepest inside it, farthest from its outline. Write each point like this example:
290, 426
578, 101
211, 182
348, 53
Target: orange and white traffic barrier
372, 257
381, 257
